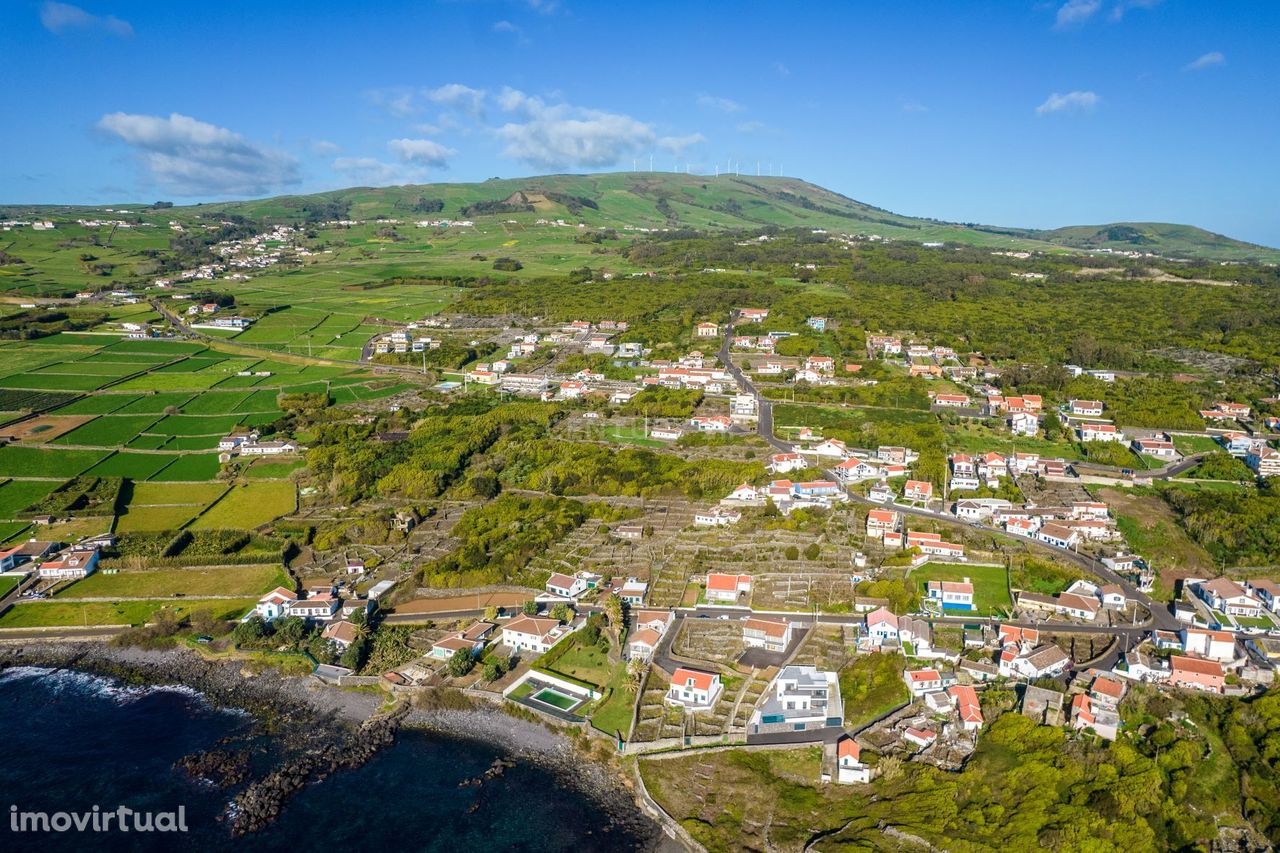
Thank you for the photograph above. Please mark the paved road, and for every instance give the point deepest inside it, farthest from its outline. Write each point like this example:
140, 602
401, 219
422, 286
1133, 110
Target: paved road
764, 407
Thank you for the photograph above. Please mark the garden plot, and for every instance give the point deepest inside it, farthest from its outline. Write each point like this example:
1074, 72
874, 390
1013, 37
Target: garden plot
798, 591
656, 719
750, 695
712, 641
828, 647
54, 382
717, 720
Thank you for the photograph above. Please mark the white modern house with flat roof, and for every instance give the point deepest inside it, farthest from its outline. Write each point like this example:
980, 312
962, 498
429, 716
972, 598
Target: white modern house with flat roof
801, 698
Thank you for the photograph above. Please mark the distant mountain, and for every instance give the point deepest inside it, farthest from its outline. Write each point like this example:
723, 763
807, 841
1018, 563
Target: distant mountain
664, 199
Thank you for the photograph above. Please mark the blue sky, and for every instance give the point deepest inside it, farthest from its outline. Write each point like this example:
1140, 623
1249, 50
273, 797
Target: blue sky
1016, 113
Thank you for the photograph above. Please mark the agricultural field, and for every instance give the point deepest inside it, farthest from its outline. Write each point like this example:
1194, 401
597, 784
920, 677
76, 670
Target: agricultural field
17, 461
249, 505
166, 583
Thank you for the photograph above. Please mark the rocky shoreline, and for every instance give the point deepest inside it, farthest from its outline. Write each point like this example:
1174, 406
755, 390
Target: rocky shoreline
327, 729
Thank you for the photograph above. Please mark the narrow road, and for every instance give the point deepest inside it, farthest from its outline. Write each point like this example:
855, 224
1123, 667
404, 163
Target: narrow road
764, 407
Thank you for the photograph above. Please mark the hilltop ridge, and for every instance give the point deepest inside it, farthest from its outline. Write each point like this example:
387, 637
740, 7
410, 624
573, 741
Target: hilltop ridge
652, 200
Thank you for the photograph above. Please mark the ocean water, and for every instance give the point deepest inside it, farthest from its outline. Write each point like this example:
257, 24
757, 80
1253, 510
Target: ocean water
72, 741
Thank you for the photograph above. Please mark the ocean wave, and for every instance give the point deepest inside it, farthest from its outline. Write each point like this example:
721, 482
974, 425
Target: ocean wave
71, 681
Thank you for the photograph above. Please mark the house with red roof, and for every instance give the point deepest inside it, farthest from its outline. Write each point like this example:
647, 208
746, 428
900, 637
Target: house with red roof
693, 689
771, 633
967, 705
725, 589
273, 604
341, 633
849, 766
881, 521
918, 490
951, 595
921, 738
1196, 674
922, 681
533, 633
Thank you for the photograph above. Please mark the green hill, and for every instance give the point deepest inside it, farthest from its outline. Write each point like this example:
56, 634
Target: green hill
652, 200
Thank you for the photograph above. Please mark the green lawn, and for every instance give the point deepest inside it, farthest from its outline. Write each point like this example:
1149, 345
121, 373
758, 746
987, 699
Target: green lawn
1188, 444
17, 495
990, 584
194, 467
54, 613
137, 519
231, 580
7, 585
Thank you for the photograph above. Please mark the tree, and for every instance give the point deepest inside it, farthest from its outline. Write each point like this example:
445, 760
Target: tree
562, 611
461, 662
635, 673
492, 671
490, 613
355, 654
529, 608
290, 630
613, 610
792, 552
250, 631
812, 551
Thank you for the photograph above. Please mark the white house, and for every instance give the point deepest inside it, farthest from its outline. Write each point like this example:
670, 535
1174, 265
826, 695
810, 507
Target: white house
849, 766
772, 633
566, 586
534, 634
1214, 645
725, 589
273, 604
951, 595
693, 689
72, 564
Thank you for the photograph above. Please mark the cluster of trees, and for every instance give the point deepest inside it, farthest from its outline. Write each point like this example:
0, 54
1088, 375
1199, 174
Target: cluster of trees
353, 465
1239, 528
497, 540
1221, 465
570, 468
293, 633
659, 402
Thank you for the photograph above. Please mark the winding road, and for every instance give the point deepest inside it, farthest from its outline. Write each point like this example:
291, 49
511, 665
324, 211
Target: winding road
1161, 617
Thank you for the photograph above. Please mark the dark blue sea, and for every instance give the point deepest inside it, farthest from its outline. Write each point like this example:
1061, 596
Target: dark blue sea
72, 741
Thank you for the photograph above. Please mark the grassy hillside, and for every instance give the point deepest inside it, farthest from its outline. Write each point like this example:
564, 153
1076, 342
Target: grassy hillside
645, 200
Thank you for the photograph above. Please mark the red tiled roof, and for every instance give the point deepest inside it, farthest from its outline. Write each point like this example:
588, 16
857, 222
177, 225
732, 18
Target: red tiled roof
701, 680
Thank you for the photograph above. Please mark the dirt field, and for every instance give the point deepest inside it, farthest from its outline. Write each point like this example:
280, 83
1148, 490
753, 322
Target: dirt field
464, 602
40, 430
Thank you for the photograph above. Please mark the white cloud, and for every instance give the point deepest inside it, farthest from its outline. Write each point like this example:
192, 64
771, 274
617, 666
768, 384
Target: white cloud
371, 172
914, 107
324, 147
782, 69
1075, 12
551, 136
724, 105
193, 158
677, 144
459, 97
750, 126
543, 7
1124, 6
1070, 102
63, 17
1208, 60
424, 152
